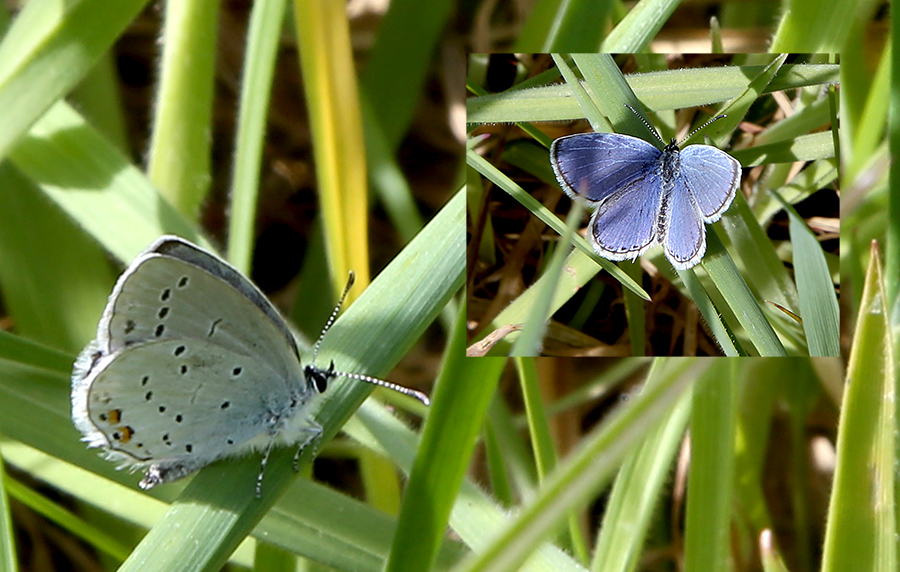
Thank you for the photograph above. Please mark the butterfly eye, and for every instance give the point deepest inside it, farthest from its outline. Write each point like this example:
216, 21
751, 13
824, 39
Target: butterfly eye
317, 378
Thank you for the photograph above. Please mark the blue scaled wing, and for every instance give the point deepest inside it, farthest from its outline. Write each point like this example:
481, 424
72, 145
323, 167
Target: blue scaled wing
712, 176
621, 176
595, 166
682, 234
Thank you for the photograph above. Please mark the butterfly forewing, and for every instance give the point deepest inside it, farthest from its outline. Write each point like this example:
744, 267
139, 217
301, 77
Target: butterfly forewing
161, 297
712, 176
596, 166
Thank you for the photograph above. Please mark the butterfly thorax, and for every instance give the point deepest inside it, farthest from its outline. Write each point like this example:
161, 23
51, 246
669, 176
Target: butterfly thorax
670, 165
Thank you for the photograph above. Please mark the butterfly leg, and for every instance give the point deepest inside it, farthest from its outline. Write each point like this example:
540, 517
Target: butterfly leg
316, 431
262, 468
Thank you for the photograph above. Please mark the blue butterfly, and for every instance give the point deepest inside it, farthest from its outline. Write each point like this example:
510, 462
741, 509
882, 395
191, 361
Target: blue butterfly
644, 195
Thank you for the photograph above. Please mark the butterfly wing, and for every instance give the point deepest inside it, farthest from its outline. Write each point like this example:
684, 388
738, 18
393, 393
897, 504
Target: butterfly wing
621, 173
178, 405
683, 234
625, 225
712, 176
175, 290
595, 166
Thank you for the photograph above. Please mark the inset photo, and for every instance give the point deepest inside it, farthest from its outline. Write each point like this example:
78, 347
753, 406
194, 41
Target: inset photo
628, 205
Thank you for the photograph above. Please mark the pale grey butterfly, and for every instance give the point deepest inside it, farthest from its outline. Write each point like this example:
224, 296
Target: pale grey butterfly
193, 364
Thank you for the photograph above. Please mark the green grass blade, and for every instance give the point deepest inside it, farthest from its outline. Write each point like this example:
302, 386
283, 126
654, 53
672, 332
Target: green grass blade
96, 185
640, 25
669, 89
636, 492
818, 302
530, 340
861, 532
332, 98
455, 419
573, 27
180, 143
550, 219
740, 299
586, 471
256, 85
543, 450
49, 48
59, 515
397, 67
476, 516
710, 482
808, 28
53, 300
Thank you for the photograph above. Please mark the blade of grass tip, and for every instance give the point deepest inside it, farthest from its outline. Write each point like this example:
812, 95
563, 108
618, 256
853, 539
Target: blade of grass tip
460, 401
861, 526
530, 339
818, 302
263, 38
180, 156
326, 60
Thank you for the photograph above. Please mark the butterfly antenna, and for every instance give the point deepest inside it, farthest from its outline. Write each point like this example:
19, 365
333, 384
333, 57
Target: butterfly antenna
334, 314
646, 123
330, 372
382, 383
691, 134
